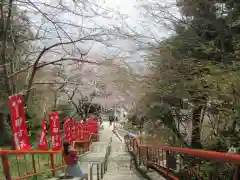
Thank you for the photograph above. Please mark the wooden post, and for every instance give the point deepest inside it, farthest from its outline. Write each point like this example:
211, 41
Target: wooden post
34, 164
236, 173
52, 164
171, 160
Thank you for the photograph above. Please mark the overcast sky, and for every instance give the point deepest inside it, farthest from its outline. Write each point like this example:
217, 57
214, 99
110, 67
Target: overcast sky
92, 15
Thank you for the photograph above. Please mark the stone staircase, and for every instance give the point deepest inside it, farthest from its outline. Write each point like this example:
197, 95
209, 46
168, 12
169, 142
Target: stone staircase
119, 164
118, 167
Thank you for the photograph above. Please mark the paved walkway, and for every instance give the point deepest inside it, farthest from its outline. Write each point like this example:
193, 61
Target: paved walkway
119, 159
97, 149
152, 174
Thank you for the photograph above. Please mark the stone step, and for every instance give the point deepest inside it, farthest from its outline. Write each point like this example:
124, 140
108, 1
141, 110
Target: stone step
62, 177
57, 178
118, 167
99, 147
118, 147
112, 167
122, 153
120, 176
127, 172
155, 176
93, 157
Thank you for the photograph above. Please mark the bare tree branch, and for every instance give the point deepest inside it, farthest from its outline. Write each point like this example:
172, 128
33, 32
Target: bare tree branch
52, 63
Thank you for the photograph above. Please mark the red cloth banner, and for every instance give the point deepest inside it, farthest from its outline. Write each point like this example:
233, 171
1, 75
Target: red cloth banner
43, 144
19, 126
92, 125
67, 129
74, 129
22, 114
91, 118
79, 131
86, 135
55, 131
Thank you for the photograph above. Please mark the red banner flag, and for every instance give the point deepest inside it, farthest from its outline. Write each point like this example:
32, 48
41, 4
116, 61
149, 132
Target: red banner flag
19, 126
79, 131
43, 144
74, 129
55, 131
67, 129
22, 114
92, 125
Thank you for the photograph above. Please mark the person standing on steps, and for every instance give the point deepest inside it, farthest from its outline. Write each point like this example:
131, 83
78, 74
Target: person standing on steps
71, 159
111, 119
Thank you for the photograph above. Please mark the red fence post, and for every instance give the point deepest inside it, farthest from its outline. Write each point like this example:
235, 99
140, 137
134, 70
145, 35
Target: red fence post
34, 163
134, 146
139, 155
147, 154
52, 164
5, 166
236, 173
170, 160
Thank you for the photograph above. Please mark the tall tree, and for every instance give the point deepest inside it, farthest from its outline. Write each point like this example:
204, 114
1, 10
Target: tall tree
13, 27
198, 63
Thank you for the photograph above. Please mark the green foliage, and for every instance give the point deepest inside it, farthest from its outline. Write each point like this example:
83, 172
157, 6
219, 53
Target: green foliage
65, 111
85, 108
198, 65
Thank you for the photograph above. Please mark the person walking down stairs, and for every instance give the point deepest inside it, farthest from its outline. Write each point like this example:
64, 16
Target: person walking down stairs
71, 159
111, 119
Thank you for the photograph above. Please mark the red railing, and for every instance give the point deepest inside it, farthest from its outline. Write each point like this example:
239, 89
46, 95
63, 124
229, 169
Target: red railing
18, 165
176, 163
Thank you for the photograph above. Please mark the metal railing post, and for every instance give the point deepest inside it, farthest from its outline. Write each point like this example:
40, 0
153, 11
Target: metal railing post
133, 145
102, 170
98, 177
147, 154
102, 165
131, 163
90, 171
139, 156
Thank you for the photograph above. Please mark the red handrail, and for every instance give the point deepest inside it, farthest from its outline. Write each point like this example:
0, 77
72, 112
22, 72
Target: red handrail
28, 152
204, 154
164, 159
36, 159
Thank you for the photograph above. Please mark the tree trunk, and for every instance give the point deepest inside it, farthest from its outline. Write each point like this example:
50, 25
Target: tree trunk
5, 139
196, 130
55, 101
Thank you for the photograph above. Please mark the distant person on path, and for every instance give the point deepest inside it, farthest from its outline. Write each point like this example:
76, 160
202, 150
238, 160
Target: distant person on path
71, 159
101, 122
111, 119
